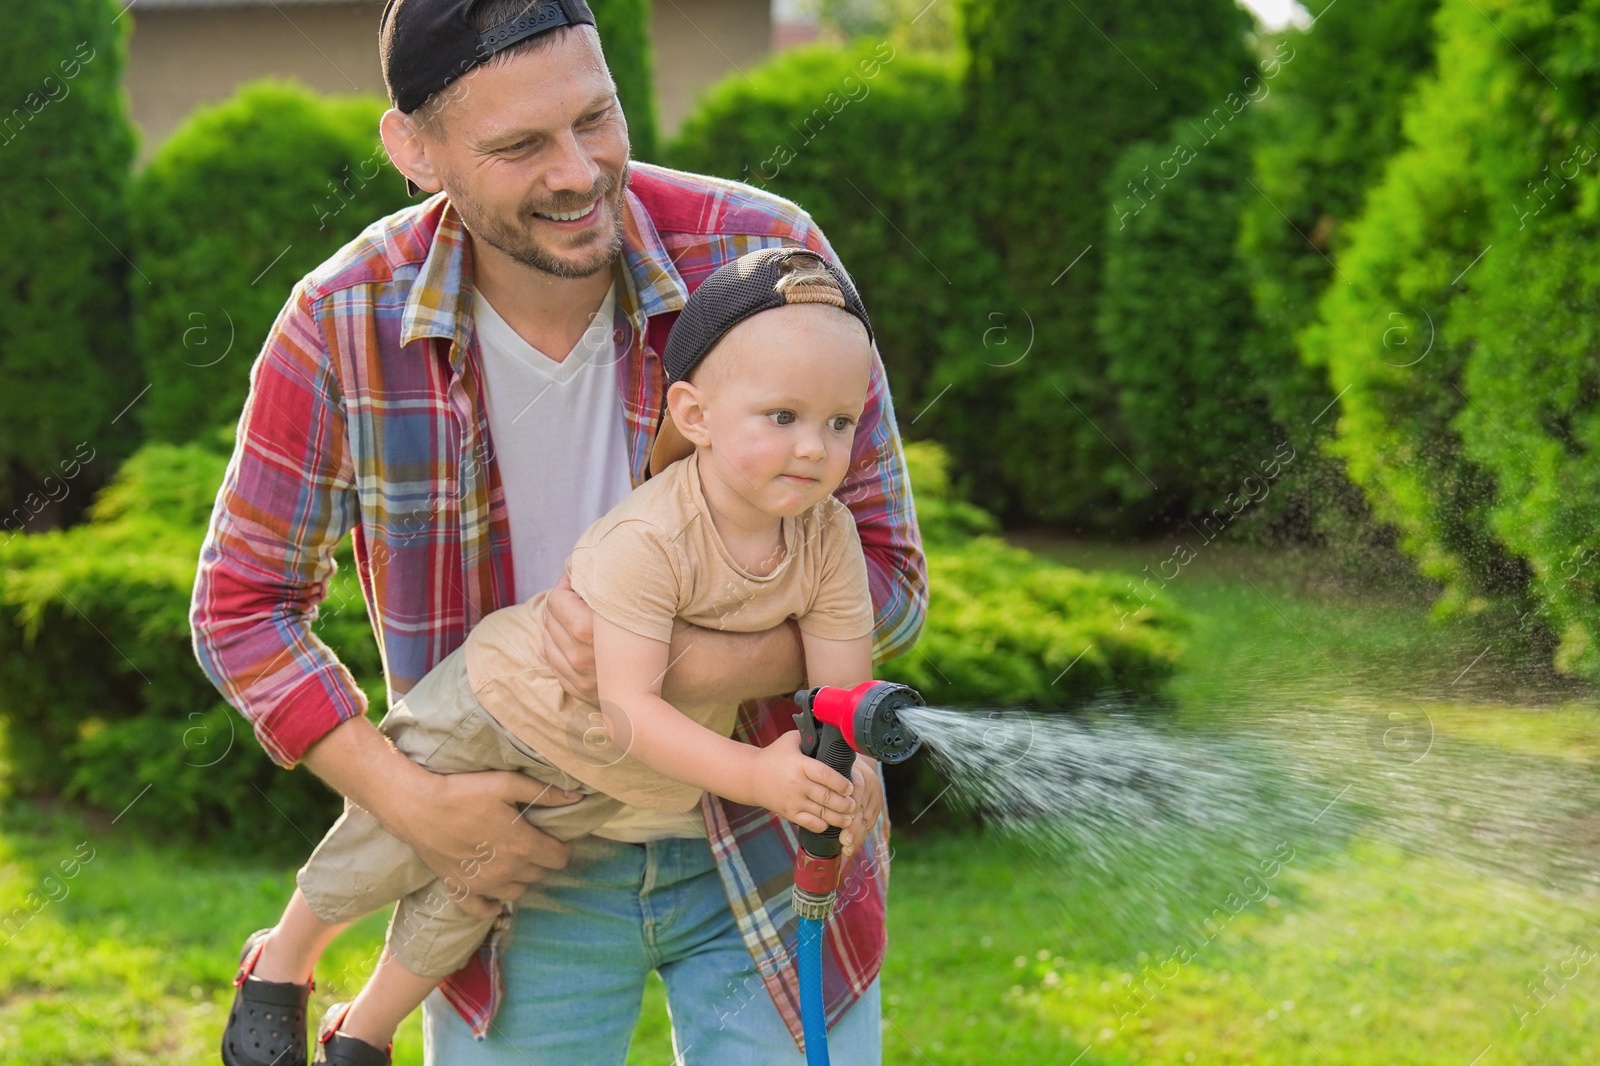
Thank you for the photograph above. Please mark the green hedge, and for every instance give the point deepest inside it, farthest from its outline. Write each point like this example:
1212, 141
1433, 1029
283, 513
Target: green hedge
1328, 125
102, 709
1055, 93
102, 694
1533, 422
624, 27
241, 202
1401, 333
870, 141
66, 146
1004, 626
1175, 318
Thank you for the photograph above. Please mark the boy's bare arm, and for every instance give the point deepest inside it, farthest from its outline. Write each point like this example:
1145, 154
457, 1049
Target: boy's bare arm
650, 729
844, 663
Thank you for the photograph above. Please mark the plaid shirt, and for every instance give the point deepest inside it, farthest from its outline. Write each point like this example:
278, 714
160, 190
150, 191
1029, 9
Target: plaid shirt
366, 413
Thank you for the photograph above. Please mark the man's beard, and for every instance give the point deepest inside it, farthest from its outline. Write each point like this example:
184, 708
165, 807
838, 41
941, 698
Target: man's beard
518, 244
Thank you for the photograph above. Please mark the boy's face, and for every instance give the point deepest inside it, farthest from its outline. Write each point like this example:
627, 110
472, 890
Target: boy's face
781, 394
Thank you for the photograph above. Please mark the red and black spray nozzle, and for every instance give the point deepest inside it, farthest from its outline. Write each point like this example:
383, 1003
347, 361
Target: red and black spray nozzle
835, 724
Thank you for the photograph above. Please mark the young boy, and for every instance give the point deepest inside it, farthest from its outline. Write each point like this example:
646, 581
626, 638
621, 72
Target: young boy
768, 366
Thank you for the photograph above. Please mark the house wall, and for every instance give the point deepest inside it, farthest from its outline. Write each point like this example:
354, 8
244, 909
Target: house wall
183, 58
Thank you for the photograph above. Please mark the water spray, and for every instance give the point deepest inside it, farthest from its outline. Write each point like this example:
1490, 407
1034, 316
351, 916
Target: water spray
835, 724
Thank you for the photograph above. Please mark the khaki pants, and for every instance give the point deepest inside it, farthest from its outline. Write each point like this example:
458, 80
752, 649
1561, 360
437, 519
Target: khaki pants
360, 867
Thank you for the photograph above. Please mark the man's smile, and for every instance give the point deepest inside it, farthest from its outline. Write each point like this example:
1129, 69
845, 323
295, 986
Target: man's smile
572, 219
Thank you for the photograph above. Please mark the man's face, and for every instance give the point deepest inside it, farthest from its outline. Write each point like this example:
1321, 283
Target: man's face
539, 135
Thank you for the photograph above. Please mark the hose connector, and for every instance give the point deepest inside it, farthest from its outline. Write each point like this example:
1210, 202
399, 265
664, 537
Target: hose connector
816, 885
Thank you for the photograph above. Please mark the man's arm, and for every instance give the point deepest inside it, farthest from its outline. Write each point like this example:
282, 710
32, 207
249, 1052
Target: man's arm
286, 500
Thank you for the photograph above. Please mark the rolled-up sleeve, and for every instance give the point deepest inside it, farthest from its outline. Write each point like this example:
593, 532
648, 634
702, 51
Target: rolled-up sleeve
287, 499
877, 490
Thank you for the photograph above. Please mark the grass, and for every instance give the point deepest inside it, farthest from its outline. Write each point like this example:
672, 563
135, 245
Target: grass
1369, 947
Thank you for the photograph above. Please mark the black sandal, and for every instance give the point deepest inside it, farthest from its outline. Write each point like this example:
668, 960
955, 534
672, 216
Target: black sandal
336, 1049
267, 1024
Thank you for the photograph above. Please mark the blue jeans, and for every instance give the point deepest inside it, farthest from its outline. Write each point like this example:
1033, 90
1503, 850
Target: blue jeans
582, 945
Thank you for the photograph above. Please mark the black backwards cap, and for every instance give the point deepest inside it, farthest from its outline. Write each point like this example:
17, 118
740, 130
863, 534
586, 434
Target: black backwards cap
735, 291
427, 44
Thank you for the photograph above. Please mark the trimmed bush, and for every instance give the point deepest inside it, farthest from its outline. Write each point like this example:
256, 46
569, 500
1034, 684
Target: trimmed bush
1534, 379
102, 693
1175, 319
238, 205
624, 27
1331, 121
869, 140
1422, 328
1055, 93
1003, 624
65, 149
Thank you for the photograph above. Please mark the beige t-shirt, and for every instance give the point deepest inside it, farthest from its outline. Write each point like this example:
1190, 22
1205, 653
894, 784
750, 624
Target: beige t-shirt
653, 558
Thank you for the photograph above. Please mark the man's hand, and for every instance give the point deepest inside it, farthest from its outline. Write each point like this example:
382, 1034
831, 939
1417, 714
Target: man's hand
796, 787
869, 804
468, 829
569, 641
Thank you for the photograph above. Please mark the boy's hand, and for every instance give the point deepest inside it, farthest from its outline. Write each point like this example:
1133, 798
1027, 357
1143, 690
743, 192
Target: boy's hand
806, 791
869, 800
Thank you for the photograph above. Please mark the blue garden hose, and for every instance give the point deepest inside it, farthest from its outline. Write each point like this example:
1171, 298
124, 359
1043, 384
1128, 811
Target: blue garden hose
835, 724
813, 1019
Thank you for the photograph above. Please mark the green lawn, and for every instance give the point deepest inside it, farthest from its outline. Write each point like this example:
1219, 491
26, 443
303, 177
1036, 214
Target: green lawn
1439, 913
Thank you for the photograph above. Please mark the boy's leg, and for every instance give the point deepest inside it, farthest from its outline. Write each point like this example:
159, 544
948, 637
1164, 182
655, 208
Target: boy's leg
391, 993
359, 867
295, 943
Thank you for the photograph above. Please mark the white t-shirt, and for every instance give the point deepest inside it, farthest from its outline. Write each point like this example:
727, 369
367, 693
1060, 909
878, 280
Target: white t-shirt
559, 439
562, 449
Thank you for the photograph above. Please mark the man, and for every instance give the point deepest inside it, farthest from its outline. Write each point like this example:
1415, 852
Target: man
408, 393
